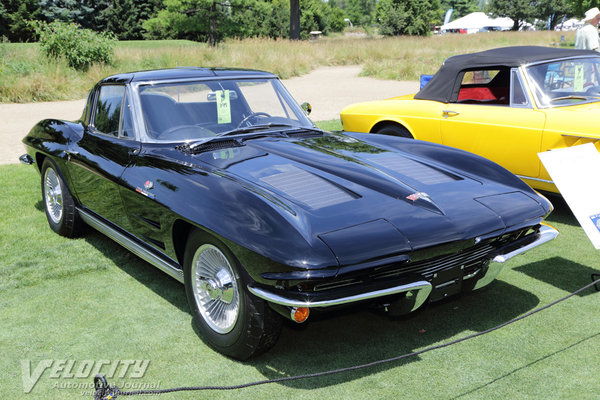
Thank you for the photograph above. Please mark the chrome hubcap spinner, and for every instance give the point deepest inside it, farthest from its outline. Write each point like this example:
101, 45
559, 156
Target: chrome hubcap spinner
215, 289
53, 195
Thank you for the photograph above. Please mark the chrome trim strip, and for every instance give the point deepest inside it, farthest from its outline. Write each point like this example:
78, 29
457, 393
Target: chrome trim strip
548, 61
579, 137
423, 289
472, 274
130, 245
545, 234
534, 179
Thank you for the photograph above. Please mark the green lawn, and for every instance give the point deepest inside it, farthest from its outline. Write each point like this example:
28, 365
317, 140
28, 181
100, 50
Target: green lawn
89, 299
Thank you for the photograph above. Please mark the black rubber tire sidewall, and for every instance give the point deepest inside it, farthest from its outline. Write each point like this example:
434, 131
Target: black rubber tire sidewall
394, 130
70, 223
237, 343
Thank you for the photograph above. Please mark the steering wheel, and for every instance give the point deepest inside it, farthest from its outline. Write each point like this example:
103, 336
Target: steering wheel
192, 132
253, 115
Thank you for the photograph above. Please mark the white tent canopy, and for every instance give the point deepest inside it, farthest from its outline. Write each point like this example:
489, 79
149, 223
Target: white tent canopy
475, 21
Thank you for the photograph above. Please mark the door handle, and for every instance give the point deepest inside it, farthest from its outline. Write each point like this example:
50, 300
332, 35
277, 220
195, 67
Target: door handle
449, 113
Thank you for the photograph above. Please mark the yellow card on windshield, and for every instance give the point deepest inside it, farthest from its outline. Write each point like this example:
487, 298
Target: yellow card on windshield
578, 78
223, 107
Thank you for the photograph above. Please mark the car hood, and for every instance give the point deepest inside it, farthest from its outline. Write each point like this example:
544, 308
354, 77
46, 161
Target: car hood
339, 190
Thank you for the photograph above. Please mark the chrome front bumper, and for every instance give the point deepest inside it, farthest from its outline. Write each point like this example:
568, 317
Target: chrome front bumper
545, 234
418, 292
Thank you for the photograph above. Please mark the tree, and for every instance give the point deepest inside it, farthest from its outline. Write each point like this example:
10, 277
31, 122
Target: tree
518, 10
407, 17
579, 7
460, 7
197, 20
553, 10
313, 17
337, 18
125, 18
86, 13
14, 17
361, 12
294, 19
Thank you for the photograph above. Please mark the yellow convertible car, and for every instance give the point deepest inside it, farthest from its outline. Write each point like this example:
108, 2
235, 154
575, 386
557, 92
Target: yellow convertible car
505, 104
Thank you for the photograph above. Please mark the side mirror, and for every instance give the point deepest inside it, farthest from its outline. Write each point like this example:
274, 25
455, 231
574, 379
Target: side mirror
306, 107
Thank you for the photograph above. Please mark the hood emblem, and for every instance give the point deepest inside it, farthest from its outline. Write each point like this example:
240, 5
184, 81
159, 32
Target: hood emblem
418, 195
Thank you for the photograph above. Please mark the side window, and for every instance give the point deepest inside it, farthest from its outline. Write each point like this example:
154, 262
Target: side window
107, 112
486, 86
518, 98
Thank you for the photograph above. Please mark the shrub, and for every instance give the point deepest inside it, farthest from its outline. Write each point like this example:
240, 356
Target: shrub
80, 47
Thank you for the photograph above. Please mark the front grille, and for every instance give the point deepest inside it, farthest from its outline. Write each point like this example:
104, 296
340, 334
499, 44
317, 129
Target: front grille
469, 260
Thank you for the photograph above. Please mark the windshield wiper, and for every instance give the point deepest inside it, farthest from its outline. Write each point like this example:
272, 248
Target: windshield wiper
253, 128
250, 129
572, 97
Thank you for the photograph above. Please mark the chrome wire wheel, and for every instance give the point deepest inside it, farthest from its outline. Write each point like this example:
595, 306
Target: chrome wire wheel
215, 288
53, 195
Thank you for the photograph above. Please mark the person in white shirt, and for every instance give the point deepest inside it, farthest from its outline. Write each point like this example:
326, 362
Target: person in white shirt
587, 37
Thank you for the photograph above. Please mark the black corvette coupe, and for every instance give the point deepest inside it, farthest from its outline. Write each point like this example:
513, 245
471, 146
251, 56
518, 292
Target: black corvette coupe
218, 178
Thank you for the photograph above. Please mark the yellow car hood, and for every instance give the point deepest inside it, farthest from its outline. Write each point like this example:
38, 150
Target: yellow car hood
580, 120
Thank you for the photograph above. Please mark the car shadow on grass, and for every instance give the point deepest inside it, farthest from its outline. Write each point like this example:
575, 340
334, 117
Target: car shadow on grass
562, 213
561, 273
145, 273
355, 337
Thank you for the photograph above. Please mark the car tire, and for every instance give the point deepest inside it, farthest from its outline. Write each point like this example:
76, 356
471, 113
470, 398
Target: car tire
228, 317
59, 205
394, 130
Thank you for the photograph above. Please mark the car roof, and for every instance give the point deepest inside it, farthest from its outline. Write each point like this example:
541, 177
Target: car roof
184, 73
442, 86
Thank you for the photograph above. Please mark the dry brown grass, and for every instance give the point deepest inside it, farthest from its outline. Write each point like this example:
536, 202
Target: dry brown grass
26, 75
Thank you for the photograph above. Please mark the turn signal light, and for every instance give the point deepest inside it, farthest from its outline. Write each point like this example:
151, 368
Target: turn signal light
300, 314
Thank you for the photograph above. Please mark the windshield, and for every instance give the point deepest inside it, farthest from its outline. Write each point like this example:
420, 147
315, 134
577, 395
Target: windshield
185, 111
566, 82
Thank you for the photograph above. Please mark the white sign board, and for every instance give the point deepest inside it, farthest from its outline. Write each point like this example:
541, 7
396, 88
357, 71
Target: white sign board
576, 173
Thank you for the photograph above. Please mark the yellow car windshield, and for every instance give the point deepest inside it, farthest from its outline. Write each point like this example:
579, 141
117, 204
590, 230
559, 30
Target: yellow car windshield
565, 82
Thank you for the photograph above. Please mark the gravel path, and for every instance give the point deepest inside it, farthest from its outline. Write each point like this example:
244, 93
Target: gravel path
327, 89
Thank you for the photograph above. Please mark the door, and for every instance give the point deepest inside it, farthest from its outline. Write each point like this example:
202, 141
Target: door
106, 149
495, 122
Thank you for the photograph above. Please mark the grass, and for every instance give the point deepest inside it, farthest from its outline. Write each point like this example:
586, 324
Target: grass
89, 299
27, 76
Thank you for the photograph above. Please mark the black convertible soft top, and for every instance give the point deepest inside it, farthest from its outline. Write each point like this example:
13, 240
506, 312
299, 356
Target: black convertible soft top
442, 86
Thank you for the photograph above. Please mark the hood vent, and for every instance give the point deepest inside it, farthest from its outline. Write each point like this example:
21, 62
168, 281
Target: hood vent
307, 188
415, 170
